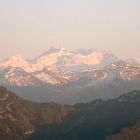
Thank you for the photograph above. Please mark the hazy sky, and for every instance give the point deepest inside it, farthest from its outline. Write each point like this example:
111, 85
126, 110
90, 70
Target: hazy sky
29, 27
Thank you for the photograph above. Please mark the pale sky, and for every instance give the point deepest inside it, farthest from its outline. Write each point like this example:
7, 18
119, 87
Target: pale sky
29, 27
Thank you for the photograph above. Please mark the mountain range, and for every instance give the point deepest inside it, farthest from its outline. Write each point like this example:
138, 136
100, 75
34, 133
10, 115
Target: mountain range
67, 77
115, 119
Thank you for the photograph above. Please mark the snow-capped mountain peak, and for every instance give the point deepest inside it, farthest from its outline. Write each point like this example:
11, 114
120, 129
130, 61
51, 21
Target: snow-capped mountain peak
59, 66
16, 61
63, 59
85, 51
74, 60
68, 72
52, 50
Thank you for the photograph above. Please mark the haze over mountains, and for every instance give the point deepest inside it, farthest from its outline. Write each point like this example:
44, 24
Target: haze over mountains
69, 77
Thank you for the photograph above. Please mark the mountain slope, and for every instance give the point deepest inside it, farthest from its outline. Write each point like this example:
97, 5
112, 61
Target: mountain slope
20, 118
128, 133
95, 120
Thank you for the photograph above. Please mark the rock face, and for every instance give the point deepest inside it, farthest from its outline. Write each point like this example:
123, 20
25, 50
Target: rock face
20, 118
